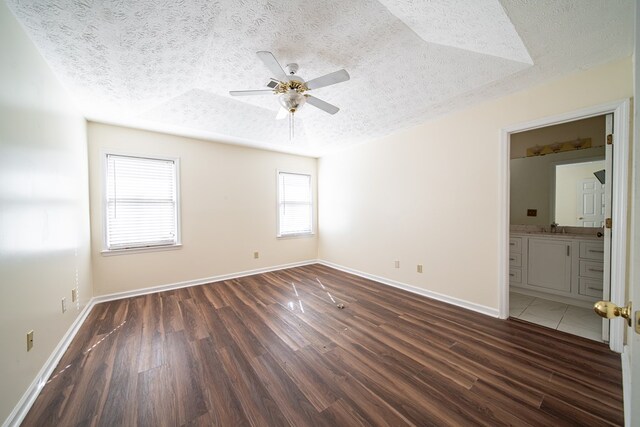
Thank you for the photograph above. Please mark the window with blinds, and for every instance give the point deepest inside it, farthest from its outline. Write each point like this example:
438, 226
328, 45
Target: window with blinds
141, 202
295, 204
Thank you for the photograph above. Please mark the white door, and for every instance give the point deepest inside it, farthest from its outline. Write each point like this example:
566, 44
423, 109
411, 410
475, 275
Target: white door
591, 202
632, 379
608, 167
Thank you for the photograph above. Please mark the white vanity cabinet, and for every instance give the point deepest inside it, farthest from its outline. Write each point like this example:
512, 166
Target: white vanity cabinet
549, 264
569, 267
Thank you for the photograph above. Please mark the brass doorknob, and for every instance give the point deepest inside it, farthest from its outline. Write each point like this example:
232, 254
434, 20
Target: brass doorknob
609, 310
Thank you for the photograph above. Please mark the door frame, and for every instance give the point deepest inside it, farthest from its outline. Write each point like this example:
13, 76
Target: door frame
620, 182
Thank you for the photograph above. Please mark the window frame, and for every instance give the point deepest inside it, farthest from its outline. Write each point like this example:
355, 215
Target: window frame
312, 203
104, 154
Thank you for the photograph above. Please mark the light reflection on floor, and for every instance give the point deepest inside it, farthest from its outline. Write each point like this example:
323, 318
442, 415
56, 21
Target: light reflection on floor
53, 377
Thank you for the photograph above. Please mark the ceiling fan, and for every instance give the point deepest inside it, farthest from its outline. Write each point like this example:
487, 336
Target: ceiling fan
291, 88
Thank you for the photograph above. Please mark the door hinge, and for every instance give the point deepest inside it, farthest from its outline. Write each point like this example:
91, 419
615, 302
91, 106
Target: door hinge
607, 222
609, 139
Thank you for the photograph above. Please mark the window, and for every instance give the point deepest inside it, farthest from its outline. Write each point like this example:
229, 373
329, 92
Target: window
295, 204
141, 208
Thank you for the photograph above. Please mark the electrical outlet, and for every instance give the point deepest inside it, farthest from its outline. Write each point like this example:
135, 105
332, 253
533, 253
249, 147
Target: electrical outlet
256, 255
74, 294
64, 305
397, 264
419, 268
29, 340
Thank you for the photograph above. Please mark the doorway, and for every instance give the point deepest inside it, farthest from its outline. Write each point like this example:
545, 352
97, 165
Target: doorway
557, 272
564, 255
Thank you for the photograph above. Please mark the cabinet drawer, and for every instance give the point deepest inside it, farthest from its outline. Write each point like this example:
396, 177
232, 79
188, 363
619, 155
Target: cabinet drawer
592, 269
591, 287
515, 275
592, 250
515, 260
515, 244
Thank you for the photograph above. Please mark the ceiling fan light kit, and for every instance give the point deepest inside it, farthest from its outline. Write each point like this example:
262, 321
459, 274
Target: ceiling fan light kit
291, 88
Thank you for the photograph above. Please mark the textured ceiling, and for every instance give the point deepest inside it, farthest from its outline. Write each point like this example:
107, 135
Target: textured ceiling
168, 65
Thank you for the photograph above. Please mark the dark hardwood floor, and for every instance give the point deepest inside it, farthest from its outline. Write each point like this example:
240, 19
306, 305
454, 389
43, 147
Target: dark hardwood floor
274, 349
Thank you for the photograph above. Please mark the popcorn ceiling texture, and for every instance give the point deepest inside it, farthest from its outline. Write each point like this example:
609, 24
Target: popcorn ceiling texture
172, 63
480, 25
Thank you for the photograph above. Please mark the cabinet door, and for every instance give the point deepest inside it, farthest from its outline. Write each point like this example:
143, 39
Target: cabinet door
550, 264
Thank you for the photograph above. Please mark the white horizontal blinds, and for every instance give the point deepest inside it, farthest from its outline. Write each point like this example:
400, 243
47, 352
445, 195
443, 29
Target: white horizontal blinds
141, 202
295, 204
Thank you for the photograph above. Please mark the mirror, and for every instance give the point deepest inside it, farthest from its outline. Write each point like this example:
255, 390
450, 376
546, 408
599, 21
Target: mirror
552, 174
579, 194
544, 189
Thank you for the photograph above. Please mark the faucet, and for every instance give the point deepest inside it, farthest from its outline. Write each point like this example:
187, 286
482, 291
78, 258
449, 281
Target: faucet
554, 227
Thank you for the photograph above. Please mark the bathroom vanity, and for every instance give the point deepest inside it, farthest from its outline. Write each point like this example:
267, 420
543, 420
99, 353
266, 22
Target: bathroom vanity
564, 267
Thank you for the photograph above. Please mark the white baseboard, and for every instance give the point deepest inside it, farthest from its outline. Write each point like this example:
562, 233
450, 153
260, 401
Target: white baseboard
489, 311
626, 384
197, 282
24, 404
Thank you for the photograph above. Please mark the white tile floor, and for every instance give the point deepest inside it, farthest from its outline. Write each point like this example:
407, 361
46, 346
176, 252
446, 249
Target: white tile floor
556, 315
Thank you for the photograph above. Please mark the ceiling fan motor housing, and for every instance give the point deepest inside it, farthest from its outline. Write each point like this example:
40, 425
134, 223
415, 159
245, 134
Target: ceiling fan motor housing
292, 68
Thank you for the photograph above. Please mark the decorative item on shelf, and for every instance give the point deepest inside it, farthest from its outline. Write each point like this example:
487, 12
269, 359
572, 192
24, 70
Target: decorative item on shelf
558, 147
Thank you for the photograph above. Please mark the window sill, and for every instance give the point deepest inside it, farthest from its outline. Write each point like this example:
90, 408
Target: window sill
112, 252
296, 236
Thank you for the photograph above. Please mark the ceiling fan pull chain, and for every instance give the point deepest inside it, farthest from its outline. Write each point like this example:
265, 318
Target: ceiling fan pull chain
291, 126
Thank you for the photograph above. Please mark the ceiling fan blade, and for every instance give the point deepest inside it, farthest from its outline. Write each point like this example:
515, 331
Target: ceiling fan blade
324, 106
282, 114
272, 64
328, 79
250, 92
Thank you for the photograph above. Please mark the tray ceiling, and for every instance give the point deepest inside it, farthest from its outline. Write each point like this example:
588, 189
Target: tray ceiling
168, 65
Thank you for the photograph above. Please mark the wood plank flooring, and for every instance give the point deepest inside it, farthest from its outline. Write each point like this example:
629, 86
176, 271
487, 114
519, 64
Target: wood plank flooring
273, 350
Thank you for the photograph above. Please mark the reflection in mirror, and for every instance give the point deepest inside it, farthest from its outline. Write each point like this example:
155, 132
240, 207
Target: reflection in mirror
579, 194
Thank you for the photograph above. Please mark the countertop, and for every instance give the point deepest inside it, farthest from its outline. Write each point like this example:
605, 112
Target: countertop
559, 236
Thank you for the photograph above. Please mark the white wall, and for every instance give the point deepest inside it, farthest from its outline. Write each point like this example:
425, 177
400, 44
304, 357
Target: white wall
228, 211
531, 185
430, 194
44, 217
